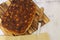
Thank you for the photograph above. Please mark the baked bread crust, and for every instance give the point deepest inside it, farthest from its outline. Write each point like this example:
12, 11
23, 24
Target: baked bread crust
19, 16
32, 27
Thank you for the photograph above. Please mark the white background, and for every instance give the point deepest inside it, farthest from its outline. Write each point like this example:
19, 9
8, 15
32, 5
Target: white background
52, 10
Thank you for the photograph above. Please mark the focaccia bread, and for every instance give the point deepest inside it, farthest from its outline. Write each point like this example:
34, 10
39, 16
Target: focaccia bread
21, 17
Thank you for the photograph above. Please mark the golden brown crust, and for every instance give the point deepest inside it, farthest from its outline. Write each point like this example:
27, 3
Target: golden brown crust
19, 16
33, 28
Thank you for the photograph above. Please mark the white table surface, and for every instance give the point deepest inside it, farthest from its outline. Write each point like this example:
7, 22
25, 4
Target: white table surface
52, 10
